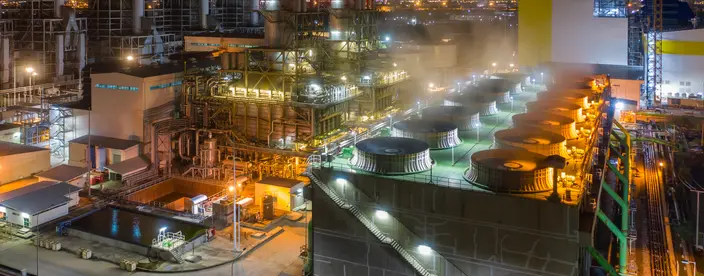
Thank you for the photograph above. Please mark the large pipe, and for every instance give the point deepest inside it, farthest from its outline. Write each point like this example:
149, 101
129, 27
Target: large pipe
204, 11
255, 13
181, 145
81, 51
137, 14
5, 59
57, 7
59, 55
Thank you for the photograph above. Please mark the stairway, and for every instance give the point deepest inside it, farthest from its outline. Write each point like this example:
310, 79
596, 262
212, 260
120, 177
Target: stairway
372, 228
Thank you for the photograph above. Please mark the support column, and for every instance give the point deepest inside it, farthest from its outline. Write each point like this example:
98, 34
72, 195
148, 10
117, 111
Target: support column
254, 21
59, 55
204, 11
5, 59
57, 7
137, 14
81, 51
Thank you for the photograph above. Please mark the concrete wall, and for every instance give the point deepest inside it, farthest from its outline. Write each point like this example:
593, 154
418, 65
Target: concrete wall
18, 166
482, 234
51, 214
626, 89
282, 195
117, 113
111, 242
155, 97
579, 37
77, 154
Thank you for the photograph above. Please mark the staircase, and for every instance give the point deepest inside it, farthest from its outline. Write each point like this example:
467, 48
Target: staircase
367, 223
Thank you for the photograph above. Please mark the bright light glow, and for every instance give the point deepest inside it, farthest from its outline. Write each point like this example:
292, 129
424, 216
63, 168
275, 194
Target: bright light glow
340, 181
17, 133
162, 229
130, 58
431, 85
367, 77
310, 53
541, 73
25, 215
619, 105
299, 190
315, 86
395, 64
493, 64
29, 69
387, 38
425, 250
661, 164
231, 188
343, 78
34, 74
2, 209
381, 214
511, 65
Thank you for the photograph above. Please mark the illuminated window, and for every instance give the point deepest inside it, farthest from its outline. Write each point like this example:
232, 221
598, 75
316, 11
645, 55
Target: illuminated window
116, 87
240, 46
206, 44
165, 85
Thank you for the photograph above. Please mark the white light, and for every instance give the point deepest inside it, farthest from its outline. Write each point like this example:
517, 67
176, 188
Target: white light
25, 215
493, 64
343, 78
387, 38
2, 209
425, 250
162, 229
34, 74
619, 105
315, 86
367, 77
510, 65
382, 214
541, 73
29, 69
299, 190
395, 64
17, 133
310, 53
388, 115
340, 181
130, 58
431, 85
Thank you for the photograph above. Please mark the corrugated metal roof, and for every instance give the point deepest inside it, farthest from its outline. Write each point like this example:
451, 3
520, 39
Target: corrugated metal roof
129, 166
63, 173
41, 199
108, 142
8, 148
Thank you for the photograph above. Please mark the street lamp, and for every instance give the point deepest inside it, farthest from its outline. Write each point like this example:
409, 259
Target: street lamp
476, 126
511, 104
130, 58
474, 78
542, 80
493, 64
391, 120
459, 87
29, 69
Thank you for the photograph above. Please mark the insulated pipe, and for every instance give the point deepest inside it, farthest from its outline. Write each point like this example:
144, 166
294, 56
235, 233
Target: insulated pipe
81, 51
5, 59
204, 11
57, 7
180, 146
59, 55
137, 14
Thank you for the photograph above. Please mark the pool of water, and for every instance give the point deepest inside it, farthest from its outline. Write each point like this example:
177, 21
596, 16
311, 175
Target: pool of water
133, 227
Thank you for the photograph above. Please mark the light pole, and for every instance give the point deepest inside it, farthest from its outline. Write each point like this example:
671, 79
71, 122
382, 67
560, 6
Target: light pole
30, 71
476, 126
474, 78
511, 66
354, 133
391, 120
542, 79
430, 87
511, 104
459, 87
493, 64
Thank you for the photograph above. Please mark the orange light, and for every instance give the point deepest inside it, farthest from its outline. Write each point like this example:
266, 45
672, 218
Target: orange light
231, 188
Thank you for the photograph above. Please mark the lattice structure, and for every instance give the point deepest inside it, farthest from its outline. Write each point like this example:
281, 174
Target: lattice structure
610, 8
653, 71
59, 117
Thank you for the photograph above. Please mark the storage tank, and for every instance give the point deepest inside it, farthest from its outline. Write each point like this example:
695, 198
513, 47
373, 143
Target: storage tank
485, 104
559, 107
438, 134
574, 96
391, 155
547, 121
510, 171
464, 117
531, 139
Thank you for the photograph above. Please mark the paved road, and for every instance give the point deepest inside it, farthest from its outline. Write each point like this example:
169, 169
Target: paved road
271, 259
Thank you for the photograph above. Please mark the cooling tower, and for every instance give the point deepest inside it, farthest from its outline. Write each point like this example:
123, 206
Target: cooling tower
519, 79
502, 89
391, 155
510, 171
546, 121
573, 96
465, 118
531, 139
438, 134
485, 104
558, 107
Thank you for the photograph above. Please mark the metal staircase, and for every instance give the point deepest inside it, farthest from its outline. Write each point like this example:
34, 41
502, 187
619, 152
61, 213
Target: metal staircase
438, 266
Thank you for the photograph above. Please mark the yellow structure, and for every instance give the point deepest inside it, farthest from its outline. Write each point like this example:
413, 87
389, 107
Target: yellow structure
534, 32
287, 193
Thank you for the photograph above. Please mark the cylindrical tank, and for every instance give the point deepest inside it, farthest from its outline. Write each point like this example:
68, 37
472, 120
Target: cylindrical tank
558, 107
510, 171
574, 96
531, 139
547, 121
485, 104
210, 146
391, 155
464, 117
438, 134
204, 11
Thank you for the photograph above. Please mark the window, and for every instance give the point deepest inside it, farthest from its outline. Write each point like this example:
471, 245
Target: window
206, 44
165, 85
25, 222
116, 87
240, 46
688, 83
681, 83
667, 82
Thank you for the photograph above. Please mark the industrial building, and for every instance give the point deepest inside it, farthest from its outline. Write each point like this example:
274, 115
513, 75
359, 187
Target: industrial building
403, 205
39, 203
18, 161
73, 175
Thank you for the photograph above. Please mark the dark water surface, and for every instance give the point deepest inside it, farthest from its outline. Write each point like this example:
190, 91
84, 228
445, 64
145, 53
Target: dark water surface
132, 227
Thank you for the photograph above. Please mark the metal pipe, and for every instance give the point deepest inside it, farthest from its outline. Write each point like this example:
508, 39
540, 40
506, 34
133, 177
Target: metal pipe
137, 14
58, 4
180, 146
59, 54
204, 11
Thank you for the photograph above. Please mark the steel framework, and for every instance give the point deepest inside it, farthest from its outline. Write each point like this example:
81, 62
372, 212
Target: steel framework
653, 71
